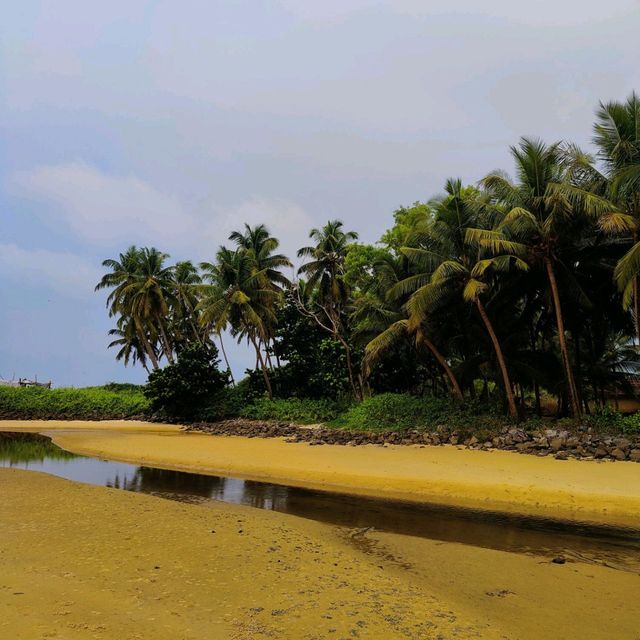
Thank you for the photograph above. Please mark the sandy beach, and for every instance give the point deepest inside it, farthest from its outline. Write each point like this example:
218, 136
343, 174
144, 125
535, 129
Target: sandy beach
597, 492
82, 562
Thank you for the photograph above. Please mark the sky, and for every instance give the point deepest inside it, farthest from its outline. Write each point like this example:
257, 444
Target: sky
171, 123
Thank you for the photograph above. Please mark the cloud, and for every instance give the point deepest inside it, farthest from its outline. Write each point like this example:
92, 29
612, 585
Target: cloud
101, 208
107, 211
63, 272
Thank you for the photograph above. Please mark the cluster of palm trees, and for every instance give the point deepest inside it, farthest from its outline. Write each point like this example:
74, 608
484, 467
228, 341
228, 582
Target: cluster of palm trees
511, 287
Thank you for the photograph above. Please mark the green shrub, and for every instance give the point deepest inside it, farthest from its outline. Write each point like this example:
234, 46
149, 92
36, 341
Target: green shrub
395, 411
304, 411
630, 423
189, 386
68, 403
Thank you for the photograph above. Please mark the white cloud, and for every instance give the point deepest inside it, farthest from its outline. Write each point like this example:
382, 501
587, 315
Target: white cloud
103, 209
109, 210
62, 272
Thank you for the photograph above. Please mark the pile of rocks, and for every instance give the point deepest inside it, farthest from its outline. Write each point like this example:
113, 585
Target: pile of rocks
582, 444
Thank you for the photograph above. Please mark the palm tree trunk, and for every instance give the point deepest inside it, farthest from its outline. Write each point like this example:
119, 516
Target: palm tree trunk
513, 410
263, 366
165, 344
347, 351
636, 301
147, 347
226, 360
455, 387
571, 383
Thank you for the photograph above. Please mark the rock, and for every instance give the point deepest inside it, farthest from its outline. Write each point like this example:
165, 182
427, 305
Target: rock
559, 560
619, 454
634, 455
600, 452
556, 444
562, 455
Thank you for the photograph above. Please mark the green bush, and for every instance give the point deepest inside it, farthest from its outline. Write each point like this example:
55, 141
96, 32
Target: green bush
189, 386
630, 423
395, 411
68, 403
304, 411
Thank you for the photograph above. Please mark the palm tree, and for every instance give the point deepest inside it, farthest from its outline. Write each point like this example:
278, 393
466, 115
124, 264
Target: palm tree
128, 340
236, 296
325, 277
617, 136
450, 266
185, 286
259, 245
383, 318
123, 279
542, 211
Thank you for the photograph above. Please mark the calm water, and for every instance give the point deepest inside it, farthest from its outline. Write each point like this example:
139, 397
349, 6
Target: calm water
619, 548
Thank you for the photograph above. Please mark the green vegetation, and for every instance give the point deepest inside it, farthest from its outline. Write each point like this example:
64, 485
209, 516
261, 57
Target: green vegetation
187, 387
301, 411
480, 301
90, 403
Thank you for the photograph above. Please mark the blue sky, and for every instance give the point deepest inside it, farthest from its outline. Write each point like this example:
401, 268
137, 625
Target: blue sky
171, 123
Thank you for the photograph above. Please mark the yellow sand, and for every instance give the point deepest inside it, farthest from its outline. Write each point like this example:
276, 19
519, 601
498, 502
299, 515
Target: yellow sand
602, 492
83, 562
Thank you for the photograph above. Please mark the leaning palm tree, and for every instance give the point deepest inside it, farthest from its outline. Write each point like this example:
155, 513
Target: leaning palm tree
126, 337
542, 208
236, 297
449, 266
150, 298
324, 273
259, 245
383, 319
123, 279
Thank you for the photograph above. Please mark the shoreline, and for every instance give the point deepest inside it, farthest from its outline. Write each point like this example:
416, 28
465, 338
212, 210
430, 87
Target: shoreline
602, 493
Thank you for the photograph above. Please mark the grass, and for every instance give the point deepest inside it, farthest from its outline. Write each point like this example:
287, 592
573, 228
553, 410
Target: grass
88, 403
300, 410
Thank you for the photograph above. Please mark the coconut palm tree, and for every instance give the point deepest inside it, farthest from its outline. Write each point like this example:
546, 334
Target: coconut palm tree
383, 319
236, 296
128, 341
259, 245
450, 265
542, 211
123, 280
324, 273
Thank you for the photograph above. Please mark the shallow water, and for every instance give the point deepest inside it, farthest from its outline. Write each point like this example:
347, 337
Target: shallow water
615, 547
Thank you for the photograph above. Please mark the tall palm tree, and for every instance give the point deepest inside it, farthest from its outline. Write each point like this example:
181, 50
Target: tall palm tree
185, 287
325, 277
542, 210
123, 279
617, 137
260, 246
236, 296
450, 266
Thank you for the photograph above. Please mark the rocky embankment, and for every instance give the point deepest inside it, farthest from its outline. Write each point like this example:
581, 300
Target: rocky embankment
563, 445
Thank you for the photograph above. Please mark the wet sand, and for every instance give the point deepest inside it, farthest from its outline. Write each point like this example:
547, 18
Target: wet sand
596, 492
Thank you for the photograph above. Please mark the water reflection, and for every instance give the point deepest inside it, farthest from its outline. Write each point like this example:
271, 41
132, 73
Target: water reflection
619, 548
